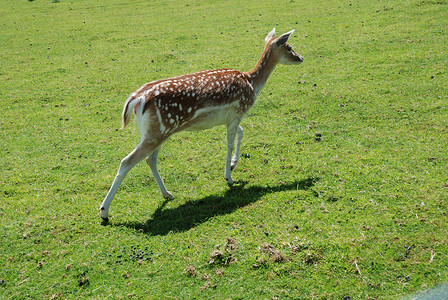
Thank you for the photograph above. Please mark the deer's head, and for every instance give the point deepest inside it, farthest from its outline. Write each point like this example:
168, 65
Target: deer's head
281, 49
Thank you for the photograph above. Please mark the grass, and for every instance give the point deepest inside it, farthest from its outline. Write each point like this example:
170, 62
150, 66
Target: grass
359, 213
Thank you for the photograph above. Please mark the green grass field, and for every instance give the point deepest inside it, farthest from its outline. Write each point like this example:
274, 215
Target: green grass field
360, 214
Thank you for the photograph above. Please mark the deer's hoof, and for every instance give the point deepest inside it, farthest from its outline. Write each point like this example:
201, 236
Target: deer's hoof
230, 181
168, 196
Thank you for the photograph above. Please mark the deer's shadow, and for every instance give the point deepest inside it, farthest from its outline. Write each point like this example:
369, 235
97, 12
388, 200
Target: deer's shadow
193, 213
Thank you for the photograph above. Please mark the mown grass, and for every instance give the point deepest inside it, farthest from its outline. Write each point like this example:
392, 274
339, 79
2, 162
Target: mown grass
359, 213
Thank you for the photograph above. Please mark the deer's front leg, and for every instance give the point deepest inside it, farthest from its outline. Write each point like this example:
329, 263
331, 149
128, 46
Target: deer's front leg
239, 137
231, 133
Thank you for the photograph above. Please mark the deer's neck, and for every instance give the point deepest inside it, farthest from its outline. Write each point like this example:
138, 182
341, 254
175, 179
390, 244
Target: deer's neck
260, 73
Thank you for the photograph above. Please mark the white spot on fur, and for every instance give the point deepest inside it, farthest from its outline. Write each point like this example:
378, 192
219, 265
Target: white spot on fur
159, 118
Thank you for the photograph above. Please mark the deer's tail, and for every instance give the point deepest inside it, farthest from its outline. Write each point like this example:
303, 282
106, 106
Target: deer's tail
131, 105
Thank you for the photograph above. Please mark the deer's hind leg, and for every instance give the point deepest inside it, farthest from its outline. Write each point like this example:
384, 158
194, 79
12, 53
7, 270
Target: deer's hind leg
152, 163
143, 150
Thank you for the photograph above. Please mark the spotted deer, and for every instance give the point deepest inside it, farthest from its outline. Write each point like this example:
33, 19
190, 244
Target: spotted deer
196, 102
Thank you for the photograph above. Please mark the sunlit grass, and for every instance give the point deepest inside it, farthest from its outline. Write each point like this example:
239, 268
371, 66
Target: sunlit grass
342, 184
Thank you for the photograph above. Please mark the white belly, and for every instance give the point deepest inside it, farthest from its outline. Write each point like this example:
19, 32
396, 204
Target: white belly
212, 116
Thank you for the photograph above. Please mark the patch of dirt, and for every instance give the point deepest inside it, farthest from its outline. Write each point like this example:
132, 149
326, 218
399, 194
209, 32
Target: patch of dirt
274, 254
190, 271
225, 256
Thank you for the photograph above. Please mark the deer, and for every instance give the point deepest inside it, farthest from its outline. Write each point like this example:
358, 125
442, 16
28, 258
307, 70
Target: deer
193, 102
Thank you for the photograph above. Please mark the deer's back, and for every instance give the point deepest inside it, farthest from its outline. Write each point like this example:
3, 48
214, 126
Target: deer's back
199, 100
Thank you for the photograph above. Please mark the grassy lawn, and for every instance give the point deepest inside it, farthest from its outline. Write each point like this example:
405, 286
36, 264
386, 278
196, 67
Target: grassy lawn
358, 213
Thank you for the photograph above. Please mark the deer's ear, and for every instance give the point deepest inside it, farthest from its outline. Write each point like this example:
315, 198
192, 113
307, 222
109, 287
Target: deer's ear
283, 38
270, 36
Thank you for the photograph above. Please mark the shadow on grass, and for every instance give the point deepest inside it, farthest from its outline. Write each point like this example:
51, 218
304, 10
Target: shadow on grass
192, 213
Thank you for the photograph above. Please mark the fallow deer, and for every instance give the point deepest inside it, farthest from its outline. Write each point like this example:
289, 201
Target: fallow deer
196, 102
